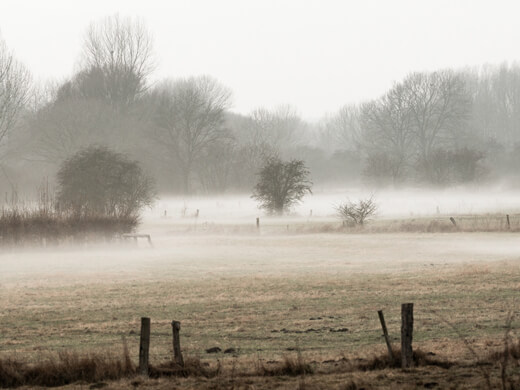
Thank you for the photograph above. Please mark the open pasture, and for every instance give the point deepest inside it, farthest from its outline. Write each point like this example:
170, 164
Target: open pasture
302, 283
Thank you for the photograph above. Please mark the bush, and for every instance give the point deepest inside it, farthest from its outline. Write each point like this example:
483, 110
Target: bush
98, 181
357, 213
281, 185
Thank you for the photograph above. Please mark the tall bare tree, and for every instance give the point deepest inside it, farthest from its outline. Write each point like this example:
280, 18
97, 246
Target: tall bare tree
14, 89
342, 130
118, 53
439, 105
63, 127
191, 118
388, 134
277, 128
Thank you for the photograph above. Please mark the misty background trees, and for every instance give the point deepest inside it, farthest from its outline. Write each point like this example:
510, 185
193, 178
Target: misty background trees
440, 128
14, 94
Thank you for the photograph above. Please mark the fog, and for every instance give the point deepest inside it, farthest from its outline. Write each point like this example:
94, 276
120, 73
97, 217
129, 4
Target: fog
245, 167
396, 203
190, 247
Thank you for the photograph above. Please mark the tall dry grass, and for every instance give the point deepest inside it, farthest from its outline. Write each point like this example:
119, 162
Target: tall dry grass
26, 226
66, 368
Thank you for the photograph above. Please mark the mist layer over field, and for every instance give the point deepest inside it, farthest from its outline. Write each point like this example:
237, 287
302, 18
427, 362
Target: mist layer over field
396, 203
224, 241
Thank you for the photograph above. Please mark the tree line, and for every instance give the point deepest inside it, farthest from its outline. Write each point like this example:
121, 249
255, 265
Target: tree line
436, 128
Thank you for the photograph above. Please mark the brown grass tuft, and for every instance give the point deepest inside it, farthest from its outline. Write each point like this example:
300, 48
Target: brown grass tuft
380, 362
290, 366
66, 368
192, 367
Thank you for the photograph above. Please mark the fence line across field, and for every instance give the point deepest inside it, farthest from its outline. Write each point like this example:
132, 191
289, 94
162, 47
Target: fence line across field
406, 340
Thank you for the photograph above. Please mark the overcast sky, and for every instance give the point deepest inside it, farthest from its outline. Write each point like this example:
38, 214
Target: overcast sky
314, 55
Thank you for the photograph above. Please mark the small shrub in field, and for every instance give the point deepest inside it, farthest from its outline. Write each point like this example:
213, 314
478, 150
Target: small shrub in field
357, 213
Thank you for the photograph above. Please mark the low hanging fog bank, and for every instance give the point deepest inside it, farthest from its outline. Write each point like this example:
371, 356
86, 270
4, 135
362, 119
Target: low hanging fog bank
396, 203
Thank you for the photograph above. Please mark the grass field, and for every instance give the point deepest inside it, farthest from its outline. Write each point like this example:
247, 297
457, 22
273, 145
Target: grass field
267, 296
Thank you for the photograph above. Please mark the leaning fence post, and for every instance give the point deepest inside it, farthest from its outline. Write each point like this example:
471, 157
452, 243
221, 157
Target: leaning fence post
453, 221
177, 354
406, 335
385, 333
144, 346
508, 223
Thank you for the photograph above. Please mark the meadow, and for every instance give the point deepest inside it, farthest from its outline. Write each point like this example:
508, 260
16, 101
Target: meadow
301, 287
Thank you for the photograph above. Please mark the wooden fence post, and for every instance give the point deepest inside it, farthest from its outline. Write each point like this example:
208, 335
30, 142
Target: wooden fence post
144, 346
385, 333
177, 354
508, 223
257, 222
406, 335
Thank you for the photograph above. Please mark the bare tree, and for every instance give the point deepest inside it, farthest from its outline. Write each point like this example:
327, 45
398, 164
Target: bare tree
117, 54
387, 130
505, 101
277, 128
63, 127
190, 119
250, 152
343, 129
14, 89
215, 166
439, 104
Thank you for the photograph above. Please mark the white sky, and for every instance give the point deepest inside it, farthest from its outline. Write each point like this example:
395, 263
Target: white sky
314, 55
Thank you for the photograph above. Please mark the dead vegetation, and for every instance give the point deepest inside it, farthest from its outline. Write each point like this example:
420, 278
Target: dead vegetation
34, 227
71, 368
66, 368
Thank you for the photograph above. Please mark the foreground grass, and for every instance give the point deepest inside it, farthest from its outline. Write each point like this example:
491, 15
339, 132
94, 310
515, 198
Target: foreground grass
262, 316
499, 369
268, 297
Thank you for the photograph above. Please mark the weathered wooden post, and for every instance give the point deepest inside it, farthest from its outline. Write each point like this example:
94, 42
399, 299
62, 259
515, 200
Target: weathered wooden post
257, 222
177, 354
406, 335
144, 346
453, 221
508, 222
385, 333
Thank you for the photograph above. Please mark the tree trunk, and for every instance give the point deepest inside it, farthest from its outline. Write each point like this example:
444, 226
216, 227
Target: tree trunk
186, 182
